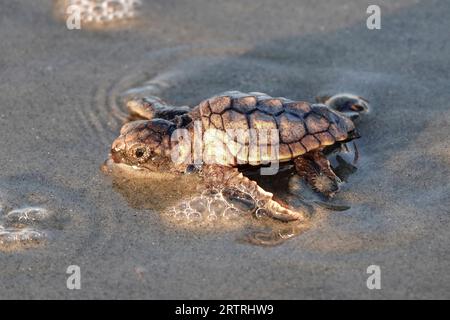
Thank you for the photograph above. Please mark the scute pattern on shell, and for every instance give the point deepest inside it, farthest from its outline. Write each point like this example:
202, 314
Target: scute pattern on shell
302, 127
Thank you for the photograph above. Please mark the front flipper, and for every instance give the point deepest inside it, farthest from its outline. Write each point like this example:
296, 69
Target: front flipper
216, 176
151, 107
351, 105
315, 168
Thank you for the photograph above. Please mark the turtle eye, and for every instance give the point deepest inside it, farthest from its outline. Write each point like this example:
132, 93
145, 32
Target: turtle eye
139, 152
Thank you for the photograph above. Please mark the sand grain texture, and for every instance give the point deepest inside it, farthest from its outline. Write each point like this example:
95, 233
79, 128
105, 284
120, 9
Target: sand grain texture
61, 107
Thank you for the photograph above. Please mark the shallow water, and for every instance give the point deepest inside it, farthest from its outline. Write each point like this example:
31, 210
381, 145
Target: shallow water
62, 105
184, 203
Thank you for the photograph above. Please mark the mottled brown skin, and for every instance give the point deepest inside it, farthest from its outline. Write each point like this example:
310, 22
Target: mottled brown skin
304, 130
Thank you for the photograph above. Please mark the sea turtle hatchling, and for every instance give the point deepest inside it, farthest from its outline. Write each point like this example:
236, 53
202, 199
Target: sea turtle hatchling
304, 133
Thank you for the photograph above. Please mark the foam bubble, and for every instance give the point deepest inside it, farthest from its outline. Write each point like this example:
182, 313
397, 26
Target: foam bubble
13, 237
211, 205
101, 12
27, 215
22, 227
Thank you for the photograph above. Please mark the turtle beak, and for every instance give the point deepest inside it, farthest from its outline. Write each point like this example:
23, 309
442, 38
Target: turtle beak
116, 149
117, 158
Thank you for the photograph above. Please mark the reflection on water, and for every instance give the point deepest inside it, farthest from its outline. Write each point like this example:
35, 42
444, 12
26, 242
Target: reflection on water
276, 234
182, 201
157, 191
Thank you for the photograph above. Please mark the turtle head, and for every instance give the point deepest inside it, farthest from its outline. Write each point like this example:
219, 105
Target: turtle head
350, 105
144, 144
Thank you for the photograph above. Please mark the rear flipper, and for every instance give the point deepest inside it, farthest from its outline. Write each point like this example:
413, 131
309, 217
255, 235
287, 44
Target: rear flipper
315, 168
229, 177
151, 107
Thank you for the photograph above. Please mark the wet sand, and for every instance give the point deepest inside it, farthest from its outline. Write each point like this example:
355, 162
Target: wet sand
61, 105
